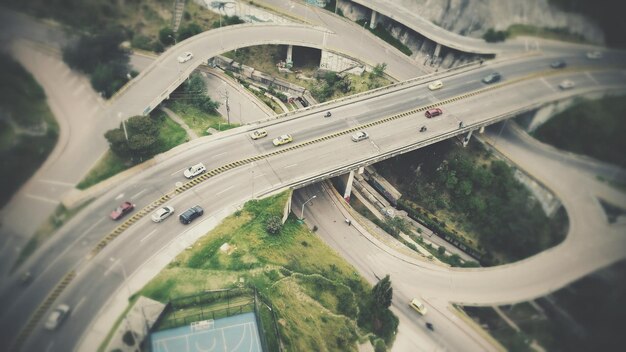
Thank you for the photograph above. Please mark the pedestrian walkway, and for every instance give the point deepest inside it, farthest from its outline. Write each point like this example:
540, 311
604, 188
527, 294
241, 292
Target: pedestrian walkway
192, 135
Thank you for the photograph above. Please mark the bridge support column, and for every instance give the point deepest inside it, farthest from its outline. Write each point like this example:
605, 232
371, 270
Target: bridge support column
481, 130
373, 19
435, 54
348, 192
467, 138
289, 60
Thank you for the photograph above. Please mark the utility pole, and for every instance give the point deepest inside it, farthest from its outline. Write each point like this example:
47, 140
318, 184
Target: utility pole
227, 108
119, 116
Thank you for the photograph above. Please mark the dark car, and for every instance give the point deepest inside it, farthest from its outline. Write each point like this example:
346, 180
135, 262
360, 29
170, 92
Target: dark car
492, 78
122, 210
433, 112
190, 214
558, 64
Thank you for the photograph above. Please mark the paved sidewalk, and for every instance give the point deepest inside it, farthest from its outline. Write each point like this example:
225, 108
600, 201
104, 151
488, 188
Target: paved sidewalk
192, 135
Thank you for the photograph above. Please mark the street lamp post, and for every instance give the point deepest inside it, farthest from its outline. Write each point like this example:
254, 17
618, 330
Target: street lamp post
303, 204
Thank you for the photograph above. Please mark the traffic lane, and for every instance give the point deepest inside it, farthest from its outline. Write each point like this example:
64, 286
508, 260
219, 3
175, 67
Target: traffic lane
98, 278
532, 91
313, 171
323, 213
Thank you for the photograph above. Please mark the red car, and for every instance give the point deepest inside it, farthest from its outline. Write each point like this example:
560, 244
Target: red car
433, 112
122, 210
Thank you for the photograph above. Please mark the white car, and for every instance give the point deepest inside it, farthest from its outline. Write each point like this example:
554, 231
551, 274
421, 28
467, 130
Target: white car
258, 134
162, 213
567, 84
418, 306
594, 55
435, 85
57, 316
195, 170
284, 139
186, 56
359, 136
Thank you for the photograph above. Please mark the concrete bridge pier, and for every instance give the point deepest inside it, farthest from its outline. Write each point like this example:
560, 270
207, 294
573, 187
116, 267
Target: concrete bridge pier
289, 60
373, 19
435, 55
482, 130
467, 138
348, 191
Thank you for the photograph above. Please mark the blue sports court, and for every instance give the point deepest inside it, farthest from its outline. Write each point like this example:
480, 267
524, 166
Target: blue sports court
235, 333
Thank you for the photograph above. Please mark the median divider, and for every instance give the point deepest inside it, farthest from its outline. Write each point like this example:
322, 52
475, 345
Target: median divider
221, 169
41, 310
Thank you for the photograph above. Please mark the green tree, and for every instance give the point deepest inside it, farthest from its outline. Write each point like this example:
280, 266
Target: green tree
188, 31
167, 36
379, 70
117, 142
382, 293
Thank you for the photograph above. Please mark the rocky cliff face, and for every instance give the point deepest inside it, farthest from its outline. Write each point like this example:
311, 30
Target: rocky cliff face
473, 17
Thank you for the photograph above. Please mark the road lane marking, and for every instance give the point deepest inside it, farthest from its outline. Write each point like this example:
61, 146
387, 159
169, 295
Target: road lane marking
548, 84
138, 193
287, 167
49, 348
224, 190
260, 175
43, 199
76, 92
81, 301
119, 196
220, 154
60, 183
177, 171
592, 78
73, 243
148, 235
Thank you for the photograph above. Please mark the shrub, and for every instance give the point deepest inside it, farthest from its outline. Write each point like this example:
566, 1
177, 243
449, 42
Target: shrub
273, 225
492, 36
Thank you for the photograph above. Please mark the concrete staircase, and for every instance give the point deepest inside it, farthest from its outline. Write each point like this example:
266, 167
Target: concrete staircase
179, 9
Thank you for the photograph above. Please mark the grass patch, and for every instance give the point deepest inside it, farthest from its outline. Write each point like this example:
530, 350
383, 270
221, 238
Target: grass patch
170, 135
60, 216
555, 33
317, 296
198, 120
28, 131
590, 127
109, 165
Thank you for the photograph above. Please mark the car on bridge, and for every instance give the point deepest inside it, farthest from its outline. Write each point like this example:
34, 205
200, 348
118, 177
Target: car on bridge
492, 78
186, 56
191, 214
194, 170
57, 316
558, 64
162, 213
122, 210
258, 134
435, 85
567, 84
360, 136
434, 112
594, 55
418, 306
284, 139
